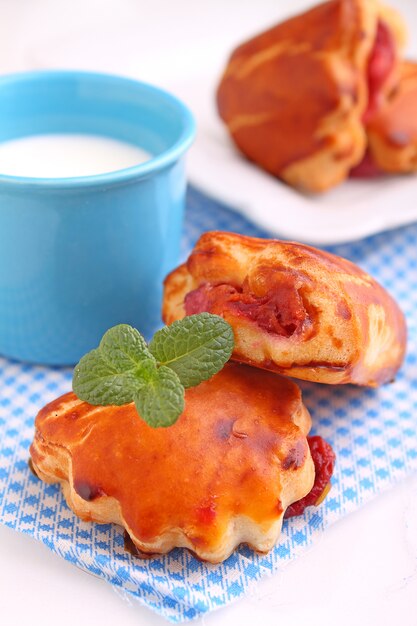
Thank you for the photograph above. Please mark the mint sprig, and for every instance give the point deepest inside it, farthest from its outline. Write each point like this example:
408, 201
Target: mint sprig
124, 369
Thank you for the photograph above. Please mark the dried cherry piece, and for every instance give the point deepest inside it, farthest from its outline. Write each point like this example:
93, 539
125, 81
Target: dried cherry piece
324, 459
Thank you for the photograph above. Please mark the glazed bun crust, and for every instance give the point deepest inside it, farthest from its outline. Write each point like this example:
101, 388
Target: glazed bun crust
222, 475
392, 132
294, 309
293, 97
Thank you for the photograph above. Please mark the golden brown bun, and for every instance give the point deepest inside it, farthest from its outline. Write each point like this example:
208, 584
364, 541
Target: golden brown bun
222, 475
293, 97
392, 132
293, 309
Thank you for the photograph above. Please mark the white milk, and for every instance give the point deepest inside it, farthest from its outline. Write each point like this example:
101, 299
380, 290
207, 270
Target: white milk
64, 156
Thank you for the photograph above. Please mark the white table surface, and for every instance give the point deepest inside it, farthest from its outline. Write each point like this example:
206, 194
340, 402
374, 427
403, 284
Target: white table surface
364, 568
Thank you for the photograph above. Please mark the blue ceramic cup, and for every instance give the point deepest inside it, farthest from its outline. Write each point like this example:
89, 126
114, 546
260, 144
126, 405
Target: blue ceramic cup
78, 255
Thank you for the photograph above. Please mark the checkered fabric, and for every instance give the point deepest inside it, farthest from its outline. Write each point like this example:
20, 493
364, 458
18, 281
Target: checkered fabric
373, 433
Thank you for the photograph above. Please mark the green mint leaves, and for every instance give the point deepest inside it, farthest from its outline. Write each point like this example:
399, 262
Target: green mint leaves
124, 369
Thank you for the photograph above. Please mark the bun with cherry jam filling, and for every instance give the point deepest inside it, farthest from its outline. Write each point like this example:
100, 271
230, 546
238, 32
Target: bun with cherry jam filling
294, 309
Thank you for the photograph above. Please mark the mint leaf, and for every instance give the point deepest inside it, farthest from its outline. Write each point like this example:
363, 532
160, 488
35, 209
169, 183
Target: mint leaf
99, 381
195, 348
110, 374
160, 400
125, 347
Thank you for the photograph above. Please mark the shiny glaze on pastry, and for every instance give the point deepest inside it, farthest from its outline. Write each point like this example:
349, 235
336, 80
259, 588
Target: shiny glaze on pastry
223, 474
294, 309
392, 131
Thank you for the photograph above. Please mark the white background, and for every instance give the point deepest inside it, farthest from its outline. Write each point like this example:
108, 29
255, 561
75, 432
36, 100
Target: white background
364, 569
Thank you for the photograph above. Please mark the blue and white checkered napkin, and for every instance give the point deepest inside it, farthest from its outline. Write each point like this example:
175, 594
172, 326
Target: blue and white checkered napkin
373, 433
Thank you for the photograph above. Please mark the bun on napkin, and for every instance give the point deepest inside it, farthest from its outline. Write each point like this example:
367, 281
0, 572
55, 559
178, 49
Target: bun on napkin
294, 309
296, 98
222, 475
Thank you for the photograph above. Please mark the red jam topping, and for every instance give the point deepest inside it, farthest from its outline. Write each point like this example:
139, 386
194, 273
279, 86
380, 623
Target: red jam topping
280, 311
367, 168
324, 459
380, 64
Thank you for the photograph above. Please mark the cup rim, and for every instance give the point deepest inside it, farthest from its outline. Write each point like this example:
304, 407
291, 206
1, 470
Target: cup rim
125, 175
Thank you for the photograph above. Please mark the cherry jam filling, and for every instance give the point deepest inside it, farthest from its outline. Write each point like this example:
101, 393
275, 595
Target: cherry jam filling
324, 459
367, 168
380, 64
280, 311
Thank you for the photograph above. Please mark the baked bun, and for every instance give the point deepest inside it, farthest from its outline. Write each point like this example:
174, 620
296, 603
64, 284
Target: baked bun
294, 309
296, 97
392, 131
222, 475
